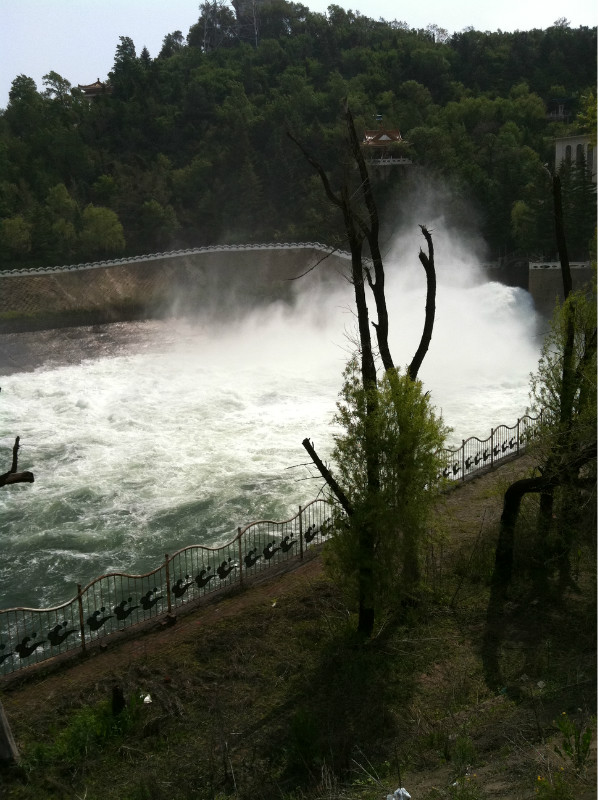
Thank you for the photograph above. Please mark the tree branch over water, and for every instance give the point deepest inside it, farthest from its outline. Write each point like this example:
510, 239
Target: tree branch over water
13, 476
328, 477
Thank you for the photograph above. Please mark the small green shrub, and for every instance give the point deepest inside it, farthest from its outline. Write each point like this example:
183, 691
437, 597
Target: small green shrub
576, 742
555, 787
87, 729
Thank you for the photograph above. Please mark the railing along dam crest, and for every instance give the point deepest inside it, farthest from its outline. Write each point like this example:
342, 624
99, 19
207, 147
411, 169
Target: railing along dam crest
191, 251
116, 602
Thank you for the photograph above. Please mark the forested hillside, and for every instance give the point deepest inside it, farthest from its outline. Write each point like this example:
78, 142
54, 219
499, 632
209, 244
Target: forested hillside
191, 147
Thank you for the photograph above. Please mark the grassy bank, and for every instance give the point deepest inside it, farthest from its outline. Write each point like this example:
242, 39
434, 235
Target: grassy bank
267, 694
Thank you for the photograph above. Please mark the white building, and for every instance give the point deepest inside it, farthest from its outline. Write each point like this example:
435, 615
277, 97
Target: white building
575, 150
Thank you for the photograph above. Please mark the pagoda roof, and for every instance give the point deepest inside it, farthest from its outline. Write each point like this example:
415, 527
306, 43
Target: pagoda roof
382, 137
98, 87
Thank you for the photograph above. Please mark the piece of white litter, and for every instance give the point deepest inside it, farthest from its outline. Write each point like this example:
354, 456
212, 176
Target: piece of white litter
147, 699
399, 794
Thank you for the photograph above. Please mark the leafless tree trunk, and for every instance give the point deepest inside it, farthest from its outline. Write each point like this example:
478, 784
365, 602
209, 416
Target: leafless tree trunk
360, 225
428, 265
13, 476
9, 753
355, 237
562, 465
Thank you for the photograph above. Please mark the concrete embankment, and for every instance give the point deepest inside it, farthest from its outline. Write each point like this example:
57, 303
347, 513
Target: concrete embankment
224, 281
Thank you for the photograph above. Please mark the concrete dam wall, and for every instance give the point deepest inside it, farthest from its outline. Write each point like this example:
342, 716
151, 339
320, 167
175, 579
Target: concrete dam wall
152, 287
546, 283
224, 279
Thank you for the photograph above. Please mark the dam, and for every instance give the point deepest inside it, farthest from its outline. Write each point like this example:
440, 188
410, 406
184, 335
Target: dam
182, 282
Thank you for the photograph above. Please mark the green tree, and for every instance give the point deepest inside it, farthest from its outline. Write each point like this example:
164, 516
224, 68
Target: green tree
408, 435
158, 224
15, 236
56, 228
565, 390
101, 233
171, 44
57, 88
215, 28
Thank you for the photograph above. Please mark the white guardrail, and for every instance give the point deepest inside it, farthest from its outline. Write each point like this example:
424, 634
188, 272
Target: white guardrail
191, 251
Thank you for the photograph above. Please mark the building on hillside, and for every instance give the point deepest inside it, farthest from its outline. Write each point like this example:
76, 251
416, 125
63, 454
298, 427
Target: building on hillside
578, 150
558, 109
384, 147
96, 89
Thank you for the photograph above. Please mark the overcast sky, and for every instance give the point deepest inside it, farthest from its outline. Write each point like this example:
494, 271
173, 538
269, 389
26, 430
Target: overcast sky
78, 38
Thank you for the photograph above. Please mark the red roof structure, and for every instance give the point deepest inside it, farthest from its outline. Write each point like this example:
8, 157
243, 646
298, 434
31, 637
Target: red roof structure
381, 137
379, 150
95, 89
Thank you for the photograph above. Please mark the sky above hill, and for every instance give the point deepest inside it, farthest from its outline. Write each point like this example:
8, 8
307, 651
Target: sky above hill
78, 38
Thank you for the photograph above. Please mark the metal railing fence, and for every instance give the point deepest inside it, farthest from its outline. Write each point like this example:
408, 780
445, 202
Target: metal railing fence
475, 454
118, 601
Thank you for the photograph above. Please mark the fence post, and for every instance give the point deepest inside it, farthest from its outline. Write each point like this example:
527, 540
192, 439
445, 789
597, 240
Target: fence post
167, 567
491, 447
81, 619
463, 459
300, 533
518, 420
240, 557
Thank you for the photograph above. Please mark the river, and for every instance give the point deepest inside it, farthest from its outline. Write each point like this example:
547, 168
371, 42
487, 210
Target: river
148, 436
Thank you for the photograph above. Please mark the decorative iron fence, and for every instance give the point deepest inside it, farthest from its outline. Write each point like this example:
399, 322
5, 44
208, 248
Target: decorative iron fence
475, 454
116, 602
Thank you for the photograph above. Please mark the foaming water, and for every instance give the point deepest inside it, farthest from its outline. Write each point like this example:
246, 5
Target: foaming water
183, 432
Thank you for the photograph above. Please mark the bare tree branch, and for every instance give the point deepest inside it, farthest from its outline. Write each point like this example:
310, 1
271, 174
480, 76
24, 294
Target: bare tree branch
428, 264
371, 233
320, 170
328, 477
311, 269
13, 476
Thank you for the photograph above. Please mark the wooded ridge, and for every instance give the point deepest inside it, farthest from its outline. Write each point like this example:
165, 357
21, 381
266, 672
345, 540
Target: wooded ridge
190, 148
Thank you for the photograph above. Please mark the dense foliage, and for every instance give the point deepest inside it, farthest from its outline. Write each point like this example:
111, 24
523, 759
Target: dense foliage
190, 147
408, 438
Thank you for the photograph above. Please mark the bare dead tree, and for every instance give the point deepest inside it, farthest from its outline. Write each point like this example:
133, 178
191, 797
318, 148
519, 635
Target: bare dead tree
361, 222
13, 475
355, 236
429, 267
563, 463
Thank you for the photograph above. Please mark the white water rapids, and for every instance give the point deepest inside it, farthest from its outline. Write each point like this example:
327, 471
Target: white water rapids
145, 437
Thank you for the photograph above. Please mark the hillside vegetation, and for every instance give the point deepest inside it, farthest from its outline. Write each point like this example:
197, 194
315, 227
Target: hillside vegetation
191, 148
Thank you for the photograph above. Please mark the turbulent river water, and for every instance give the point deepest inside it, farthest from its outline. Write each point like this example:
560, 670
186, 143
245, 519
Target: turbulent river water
148, 436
